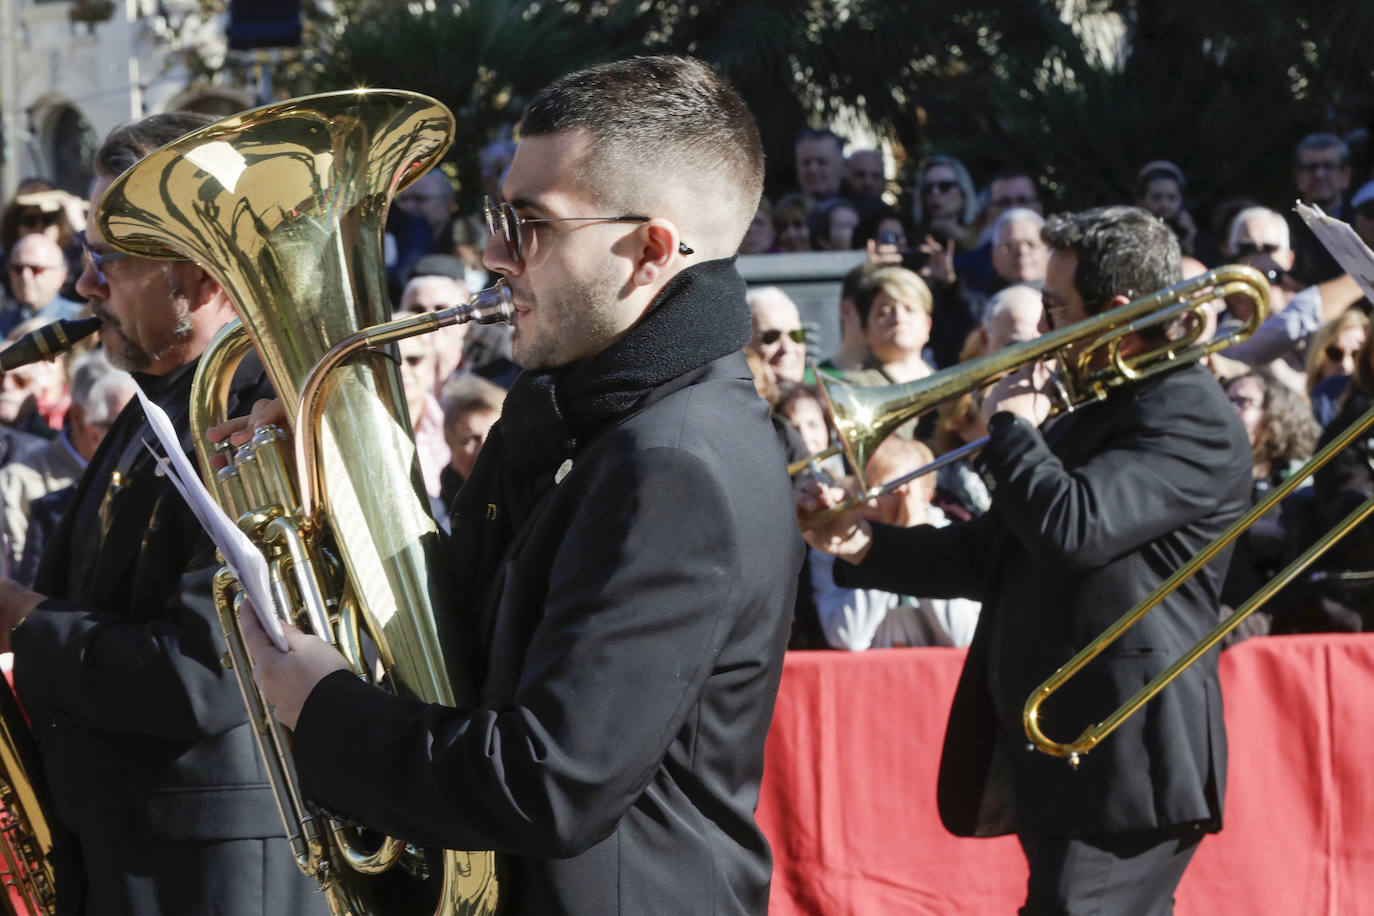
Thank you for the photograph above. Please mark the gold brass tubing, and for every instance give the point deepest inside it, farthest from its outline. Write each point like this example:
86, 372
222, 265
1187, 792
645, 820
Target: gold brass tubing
282, 532
366, 863
225, 589
1030, 717
802, 464
488, 306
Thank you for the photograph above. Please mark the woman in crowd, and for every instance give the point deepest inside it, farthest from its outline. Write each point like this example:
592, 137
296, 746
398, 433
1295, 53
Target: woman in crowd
1337, 594
1331, 356
1282, 436
894, 315
946, 200
789, 223
761, 237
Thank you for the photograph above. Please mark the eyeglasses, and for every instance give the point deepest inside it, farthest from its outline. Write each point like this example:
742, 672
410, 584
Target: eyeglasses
36, 219
1312, 168
503, 220
97, 260
1336, 353
1241, 402
773, 335
18, 269
941, 187
1246, 249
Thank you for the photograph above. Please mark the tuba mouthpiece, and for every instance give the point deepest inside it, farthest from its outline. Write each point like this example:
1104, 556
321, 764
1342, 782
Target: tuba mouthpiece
492, 305
47, 342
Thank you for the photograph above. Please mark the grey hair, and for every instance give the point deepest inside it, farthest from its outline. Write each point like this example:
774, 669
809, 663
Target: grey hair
1009, 216
1321, 141
1249, 213
93, 381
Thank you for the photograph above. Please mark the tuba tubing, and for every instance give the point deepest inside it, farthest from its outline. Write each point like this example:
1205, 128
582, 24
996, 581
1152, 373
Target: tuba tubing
285, 207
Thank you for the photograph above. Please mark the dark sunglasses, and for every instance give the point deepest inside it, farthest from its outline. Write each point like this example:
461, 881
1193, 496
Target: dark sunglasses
1246, 249
773, 335
504, 221
98, 260
1336, 354
941, 187
36, 219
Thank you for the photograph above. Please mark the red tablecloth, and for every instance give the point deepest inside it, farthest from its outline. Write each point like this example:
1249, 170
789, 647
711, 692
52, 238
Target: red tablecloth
848, 799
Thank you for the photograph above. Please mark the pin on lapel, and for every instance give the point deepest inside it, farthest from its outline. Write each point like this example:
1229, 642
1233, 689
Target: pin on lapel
563, 470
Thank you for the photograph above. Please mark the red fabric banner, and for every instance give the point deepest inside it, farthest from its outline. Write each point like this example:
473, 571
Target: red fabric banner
848, 797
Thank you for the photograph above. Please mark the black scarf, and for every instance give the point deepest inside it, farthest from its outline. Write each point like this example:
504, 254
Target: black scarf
550, 414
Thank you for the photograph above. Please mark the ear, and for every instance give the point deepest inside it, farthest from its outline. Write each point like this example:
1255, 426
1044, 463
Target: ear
1115, 302
656, 259
202, 288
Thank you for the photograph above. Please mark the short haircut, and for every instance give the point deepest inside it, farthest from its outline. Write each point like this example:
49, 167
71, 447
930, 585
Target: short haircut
1008, 217
1002, 300
467, 393
130, 142
460, 292
899, 283
1122, 251
791, 392
664, 130
1321, 141
1249, 213
761, 295
904, 456
820, 133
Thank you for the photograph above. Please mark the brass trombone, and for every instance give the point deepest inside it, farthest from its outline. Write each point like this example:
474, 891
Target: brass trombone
1085, 742
863, 417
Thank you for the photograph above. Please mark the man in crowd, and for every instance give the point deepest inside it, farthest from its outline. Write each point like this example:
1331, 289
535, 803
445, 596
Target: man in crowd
37, 271
1259, 237
867, 172
625, 543
1087, 518
820, 163
1321, 171
1009, 189
99, 392
777, 333
1018, 253
145, 742
1013, 316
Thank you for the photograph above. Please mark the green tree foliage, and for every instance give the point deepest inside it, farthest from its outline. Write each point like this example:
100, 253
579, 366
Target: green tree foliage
1081, 92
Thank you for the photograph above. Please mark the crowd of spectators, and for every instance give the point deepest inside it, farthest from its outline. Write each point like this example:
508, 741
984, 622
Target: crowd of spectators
952, 272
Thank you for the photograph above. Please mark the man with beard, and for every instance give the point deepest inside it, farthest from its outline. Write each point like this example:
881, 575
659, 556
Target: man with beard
625, 548
145, 742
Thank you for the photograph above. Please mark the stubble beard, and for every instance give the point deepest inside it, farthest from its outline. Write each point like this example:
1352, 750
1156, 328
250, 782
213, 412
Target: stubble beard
578, 321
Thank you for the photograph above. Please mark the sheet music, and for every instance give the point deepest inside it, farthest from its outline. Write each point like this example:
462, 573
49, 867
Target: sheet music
1343, 242
243, 559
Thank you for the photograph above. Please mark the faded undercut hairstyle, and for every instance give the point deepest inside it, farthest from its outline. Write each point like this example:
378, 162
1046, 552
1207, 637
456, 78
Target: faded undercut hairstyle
128, 143
1122, 251
664, 130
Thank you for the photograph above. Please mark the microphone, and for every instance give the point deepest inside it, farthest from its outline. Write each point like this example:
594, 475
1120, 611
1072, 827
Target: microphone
47, 342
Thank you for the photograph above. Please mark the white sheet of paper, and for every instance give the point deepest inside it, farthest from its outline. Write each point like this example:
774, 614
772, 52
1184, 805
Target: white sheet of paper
240, 555
1343, 242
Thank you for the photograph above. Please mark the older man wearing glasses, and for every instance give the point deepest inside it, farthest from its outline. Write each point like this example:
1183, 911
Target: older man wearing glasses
625, 546
160, 800
37, 271
778, 337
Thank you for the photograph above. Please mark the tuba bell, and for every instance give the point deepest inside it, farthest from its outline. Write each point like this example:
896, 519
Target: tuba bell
285, 207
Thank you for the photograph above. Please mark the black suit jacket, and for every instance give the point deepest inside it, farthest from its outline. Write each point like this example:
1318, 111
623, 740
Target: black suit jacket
616, 750
143, 733
1085, 522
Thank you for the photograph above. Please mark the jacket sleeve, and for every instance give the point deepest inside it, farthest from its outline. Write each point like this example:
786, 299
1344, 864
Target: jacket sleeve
1157, 475
154, 670
638, 605
948, 562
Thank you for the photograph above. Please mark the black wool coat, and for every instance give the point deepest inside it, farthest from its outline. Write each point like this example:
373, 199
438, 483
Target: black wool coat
614, 756
1086, 521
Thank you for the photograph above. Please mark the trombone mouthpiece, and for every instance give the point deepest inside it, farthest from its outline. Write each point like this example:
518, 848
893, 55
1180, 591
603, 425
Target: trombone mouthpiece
47, 342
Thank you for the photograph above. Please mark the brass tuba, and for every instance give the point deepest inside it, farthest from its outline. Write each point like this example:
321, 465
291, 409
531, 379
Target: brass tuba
285, 206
